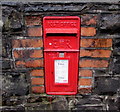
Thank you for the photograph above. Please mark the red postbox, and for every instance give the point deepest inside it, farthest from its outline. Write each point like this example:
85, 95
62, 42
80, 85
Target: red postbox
61, 54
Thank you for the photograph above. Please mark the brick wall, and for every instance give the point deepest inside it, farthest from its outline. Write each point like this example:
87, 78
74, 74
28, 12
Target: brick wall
22, 51
94, 52
28, 52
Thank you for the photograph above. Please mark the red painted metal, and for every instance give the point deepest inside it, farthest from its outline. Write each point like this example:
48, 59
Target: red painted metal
61, 54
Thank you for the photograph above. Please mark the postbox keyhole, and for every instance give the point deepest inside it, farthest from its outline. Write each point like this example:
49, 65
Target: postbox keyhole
61, 54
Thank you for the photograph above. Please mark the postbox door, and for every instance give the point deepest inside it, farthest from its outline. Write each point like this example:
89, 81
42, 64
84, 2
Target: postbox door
62, 73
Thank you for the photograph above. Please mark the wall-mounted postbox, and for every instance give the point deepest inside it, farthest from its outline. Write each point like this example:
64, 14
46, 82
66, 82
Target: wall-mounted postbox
61, 54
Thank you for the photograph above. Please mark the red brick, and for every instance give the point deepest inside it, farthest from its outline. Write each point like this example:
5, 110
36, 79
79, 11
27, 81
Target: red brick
95, 53
37, 54
32, 20
89, 19
35, 31
37, 73
38, 89
93, 63
85, 73
84, 90
96, 43
18, 43
88, 31
85, 82
37, 81
31, 63
28, 53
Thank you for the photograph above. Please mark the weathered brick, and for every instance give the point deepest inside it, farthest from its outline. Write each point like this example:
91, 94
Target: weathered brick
37, 73
100, 72
37, 81
5, 64
85, 82
89, 19
88, 31
96, 43
85, 73
18, 43
38, 89
108, 85
31, 63
93, 63
32, 20
95, 53
84, 90
34, 31
27, 54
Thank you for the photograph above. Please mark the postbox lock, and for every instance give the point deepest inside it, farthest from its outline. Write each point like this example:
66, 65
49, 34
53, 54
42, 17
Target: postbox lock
61, 54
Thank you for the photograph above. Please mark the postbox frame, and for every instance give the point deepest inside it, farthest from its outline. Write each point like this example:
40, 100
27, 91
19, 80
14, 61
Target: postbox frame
75, 33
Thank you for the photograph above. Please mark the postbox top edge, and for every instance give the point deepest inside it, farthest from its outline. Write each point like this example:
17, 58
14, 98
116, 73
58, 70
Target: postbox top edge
60, 17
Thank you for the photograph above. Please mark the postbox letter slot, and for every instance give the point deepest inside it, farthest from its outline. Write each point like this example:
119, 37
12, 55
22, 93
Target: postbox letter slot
61, 34
62, 30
